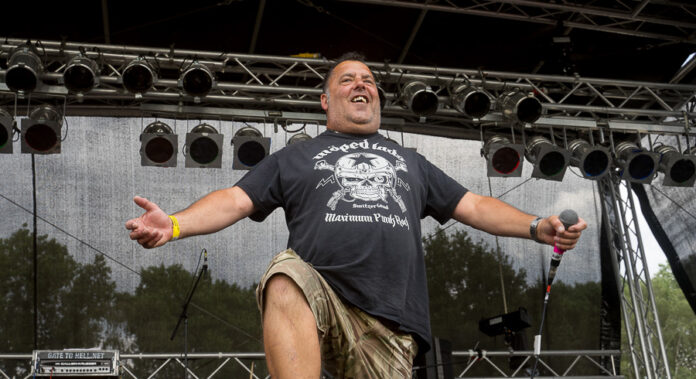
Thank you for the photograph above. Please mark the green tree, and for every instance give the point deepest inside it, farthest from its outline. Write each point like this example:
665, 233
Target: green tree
230, 319
464, 287
677, 322
75, 300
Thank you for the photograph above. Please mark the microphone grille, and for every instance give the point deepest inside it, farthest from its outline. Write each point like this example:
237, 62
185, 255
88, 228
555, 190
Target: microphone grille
568, 217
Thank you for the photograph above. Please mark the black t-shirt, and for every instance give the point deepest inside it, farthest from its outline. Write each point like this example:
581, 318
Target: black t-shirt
353, 205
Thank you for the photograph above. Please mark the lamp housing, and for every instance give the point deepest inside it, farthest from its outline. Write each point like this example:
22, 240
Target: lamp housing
594, 161
6, 128
138, 76
520, 106
24, 69
204, 147
158, 145
471, 101
41, 131
503, 158
679, 169
550, 161
81, 75
634, 163
298, 137
420, 98
197, 80
250, 148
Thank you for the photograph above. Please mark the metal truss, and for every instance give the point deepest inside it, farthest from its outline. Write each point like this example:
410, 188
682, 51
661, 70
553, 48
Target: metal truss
478, 358
664, 20
640, 318
287, 90
474, 358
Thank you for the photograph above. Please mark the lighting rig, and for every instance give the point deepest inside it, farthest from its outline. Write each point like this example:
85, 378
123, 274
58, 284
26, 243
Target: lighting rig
551, 120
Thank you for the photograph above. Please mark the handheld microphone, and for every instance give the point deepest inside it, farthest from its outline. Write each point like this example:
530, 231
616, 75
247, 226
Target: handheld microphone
569, 218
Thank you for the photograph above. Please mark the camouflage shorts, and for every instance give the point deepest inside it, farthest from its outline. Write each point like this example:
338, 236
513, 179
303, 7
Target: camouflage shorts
353, 344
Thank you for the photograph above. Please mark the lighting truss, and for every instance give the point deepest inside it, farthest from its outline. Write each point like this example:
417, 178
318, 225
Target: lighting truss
280, 89
661, 20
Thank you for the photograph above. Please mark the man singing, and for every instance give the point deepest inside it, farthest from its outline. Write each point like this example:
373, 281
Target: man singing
350, 291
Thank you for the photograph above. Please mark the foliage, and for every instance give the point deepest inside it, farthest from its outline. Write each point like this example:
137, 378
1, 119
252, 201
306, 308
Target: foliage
464, 286
74, 300
677, 324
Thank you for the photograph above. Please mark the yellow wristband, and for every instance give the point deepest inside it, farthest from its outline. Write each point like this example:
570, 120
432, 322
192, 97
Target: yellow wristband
175, 228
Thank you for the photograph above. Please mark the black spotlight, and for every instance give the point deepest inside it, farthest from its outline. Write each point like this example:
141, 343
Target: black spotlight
550, 161
24, 69
420, 98
679, 169
250, 147
593, 161
197, 80
41, 131
519, 106
504, 159
204, 147
299, 137
471, 101
635, 164
138, 76
158, 145
81, 75
6, 124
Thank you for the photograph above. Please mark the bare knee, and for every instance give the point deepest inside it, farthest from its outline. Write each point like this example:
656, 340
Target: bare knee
282, 293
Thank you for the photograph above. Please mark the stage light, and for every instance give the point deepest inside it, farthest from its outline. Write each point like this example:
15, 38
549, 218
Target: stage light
520, 106
550, 161
41, 131
635, 164
679, 169
197, 80
250, 147
299, 137
158, 145
138, 76
6, 124
420, 98
24, 69
504, 159
471, 101
81, 75
204, 147
593, 161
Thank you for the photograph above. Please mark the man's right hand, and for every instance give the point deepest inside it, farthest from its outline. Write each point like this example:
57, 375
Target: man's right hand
153, 228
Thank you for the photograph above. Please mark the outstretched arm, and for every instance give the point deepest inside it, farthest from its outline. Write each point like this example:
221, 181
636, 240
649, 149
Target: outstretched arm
213, 212
499, 218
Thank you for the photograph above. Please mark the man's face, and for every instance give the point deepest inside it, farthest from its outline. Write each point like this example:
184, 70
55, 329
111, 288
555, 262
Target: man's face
352, 101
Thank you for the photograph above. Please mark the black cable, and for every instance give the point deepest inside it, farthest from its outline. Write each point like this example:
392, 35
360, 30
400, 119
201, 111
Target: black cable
120, 263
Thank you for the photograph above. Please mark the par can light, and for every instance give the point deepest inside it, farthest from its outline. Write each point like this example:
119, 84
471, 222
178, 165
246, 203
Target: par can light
204, 147
550, 161
81, 75
41, 131
470, 101
250, 148
593, 161
504, 159
197, 80
6, 124
679, 169
298, 137
519, 106
138, 76
420, 98
635, 164
24, 69
158, 145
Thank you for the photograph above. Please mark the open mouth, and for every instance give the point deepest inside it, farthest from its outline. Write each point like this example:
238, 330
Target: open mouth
359, 99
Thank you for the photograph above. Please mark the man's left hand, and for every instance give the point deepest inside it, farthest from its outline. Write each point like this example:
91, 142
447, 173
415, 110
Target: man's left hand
552, 232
